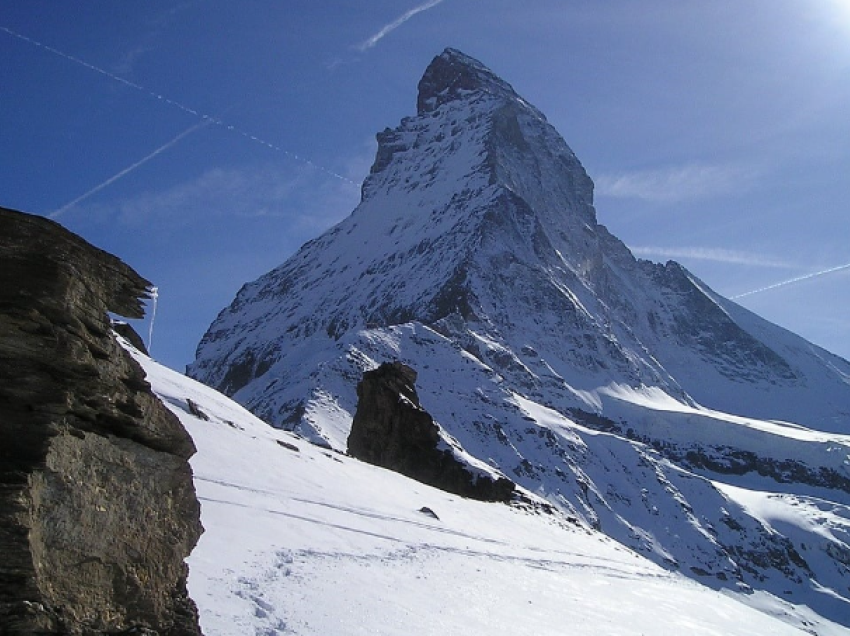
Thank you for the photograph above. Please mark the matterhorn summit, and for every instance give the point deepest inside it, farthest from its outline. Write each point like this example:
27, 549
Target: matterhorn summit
477, 221
629, 394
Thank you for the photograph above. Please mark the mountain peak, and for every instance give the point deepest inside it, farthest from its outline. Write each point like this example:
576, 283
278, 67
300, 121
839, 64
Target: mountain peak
453, 75
620, 389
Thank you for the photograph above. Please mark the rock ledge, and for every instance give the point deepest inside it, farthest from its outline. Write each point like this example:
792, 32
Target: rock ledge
97, 505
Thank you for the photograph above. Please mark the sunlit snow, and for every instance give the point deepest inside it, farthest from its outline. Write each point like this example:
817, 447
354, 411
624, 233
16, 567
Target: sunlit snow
303, 540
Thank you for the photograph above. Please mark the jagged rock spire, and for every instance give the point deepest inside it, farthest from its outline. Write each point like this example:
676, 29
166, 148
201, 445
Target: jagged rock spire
453, 74
476, 209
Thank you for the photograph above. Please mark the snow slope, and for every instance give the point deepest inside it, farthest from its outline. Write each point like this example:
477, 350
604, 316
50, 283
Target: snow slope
627, 393
302, 540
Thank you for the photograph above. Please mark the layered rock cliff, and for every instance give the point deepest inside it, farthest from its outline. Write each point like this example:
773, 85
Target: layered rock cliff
97, 504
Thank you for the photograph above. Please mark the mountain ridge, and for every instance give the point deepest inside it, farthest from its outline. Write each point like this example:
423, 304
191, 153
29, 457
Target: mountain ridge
629, 393
450, 204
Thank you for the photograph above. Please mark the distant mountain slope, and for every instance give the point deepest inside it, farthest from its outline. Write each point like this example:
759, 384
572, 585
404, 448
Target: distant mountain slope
477, 219
301, 540
628, 393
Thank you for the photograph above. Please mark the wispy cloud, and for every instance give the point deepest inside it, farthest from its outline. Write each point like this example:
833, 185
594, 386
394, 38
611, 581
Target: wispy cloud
392, 26
244, 192
148, 35
675, 184
216, 192
791, 281
307, 201
715, 254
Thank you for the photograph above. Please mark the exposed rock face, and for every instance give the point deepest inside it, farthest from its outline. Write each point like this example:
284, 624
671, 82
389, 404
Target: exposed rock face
97, 504
391, 429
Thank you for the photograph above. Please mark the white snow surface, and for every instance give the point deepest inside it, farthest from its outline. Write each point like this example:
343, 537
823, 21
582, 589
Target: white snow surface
626, 393
303, 540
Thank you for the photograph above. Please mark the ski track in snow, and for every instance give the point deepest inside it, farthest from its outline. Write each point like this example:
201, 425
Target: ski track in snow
300, 540
431, 528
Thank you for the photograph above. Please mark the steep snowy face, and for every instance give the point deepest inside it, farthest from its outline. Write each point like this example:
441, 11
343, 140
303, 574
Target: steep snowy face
477, 219
628, 393
400, 256
475, 198
524, 154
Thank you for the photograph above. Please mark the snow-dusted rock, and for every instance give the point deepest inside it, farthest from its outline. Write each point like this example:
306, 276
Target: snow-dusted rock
627, 392
97, 504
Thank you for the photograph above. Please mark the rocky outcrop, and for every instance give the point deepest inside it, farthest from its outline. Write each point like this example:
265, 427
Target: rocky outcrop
392, 430
97, 504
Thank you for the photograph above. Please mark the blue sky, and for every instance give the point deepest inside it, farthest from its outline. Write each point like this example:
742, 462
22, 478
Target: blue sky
204, 141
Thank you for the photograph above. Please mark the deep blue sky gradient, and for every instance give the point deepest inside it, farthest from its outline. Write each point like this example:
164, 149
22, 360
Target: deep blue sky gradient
717, 132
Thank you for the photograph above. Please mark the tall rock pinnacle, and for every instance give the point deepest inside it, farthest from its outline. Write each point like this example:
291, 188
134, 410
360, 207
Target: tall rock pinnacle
477, 220
453, 75
617, 387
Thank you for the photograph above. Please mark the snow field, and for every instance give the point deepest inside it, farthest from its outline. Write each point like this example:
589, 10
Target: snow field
303, 540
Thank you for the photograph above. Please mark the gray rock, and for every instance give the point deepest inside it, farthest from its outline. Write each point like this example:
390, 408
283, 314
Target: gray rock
392, 430
97, 504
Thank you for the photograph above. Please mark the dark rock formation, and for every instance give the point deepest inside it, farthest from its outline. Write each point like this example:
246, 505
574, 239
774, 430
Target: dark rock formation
391, 429
127, 332
97, 503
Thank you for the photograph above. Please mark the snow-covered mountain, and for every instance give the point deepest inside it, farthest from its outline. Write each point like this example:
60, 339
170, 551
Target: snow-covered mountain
627, 393
302, 540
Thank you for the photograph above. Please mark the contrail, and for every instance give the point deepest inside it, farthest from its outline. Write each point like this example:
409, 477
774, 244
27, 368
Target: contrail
183, 107
97, 69
59, 211
392, 26
792, 281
